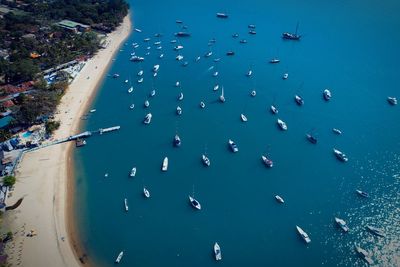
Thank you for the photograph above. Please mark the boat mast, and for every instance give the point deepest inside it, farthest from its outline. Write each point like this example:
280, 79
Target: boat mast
297, 26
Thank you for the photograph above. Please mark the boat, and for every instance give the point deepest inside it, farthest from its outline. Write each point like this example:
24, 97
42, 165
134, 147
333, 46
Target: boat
217, 252
279, 199
230, 53
269, 163
119, 257
340, 155
136, 59
146, 39
155, 74
291, 36
285, 76
153, 93
179, 57
133, 172
173, 41
222, 97
132, 106
249, 73
282, 124
215, 74
299, 100
202, 105
184, 64
208, 54
195, 204
336, 131
80, 142
375, 231
138, 30
327, 94
126, 204
140, 73
146, 192
197, 58
146, 103
161, 56
274, 110
243, 117
130, 90
177, 141
177, 84
158, 42
235, 35
392, 100
303, 234
178, 47
364, 255
233, 146
92, 110
253, 32
251, 26
179, 21
116, 75
147, 118
140, 80
164, 166
156, 67
274, 61
180, 97
182, 34
126, 81
253, 93
206, 160
222, 15
216, 87
362, 193
106, 175
311, 138
243, 41
342, 224
178, 110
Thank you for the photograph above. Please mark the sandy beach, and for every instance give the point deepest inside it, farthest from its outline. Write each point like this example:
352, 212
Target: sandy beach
44, 177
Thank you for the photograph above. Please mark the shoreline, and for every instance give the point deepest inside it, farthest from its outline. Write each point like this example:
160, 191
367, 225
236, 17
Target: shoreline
45, 178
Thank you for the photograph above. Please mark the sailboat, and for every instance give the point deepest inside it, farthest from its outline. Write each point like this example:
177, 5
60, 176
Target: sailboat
292, 36
243, 117
222, 97
146, 192
195, 204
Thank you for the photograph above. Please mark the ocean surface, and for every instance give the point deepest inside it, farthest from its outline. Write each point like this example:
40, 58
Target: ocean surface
351, 47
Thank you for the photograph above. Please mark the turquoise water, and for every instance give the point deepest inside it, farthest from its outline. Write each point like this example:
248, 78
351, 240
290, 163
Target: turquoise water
349, 47
26, 134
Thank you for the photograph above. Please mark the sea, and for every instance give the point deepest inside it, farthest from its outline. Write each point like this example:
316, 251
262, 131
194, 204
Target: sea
350, 47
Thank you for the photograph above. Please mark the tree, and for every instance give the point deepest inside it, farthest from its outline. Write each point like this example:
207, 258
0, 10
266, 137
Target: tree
4, 135
51, 126
9, 180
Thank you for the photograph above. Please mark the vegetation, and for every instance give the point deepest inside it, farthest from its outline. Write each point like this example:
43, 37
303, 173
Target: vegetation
4, 135
9, 180
51, 126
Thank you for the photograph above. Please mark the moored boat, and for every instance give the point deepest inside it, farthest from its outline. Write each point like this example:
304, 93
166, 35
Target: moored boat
133, 172
130, 90
279, 199
126, 204
392, 100
140, 73
303, 234
243, 117
182, 34
274, 110
274, 61
299, 100
337, 131
216, 87
233, 146
282, 124
375, 231
178, 110
249, 73
195, 204
222, 15
230, 53
164, 166
217, 252
267, 162
147, 118
146, 192
177, 141
131, 106
206, 160
362, 193
292, 36
327, 94
222, 97
311, 138
202, 105
153, 93
285, 76
146, 103
180, 97
342, 224
340, 155
119, 257
253, 93
156, 68
364, 255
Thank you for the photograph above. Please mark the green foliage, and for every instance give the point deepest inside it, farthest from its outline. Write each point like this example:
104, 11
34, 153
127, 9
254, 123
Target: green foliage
51, 126
9, 180
4, 135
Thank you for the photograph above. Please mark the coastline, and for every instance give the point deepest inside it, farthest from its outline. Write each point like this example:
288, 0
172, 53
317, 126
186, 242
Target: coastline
45, 177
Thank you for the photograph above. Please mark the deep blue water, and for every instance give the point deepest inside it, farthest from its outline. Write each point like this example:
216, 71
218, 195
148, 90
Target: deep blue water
350, 47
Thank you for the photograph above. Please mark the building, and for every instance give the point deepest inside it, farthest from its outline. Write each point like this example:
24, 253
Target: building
73, 26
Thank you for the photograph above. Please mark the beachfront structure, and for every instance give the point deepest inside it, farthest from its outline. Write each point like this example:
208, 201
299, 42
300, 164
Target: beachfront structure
73, 26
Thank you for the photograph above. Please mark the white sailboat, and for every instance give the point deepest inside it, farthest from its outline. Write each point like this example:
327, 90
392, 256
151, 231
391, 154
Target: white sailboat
146, 192
222, 97
164, 166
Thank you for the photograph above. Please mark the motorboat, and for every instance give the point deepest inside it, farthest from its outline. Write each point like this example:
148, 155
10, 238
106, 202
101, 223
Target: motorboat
180, 97
182, 34
251, 26
235, 35
202, 105
217, 252
327, 94
208, 54
274, 61
233, 146
146, 39
146, 192
184, 64
222, 97
179, 57
243, 41
155, 74
195, 204
215, 74
178, 110
285, 76
342, 224
92, 110
362, 193
126, 81
140, 80
119, 257
132, 106
126, 204
157, 43
299, 100
279, 199
178, 47
311, 138
269, 163
147, 118
153, 93
179, 21
156, 68
173, 41
115, 75
282, 124
130, 90
249, 73
177, 141
146, 103
303, 234
177, 84
230, 53
392, 100
375, 231
206, 160
140, 73
161, 56
164, 166
216, 87
253, 93
136, 59
138, 30
222, 15
133, 172
364, 255
253, 32
197, 58
243, 117
340, 155
274, 110
337, 131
